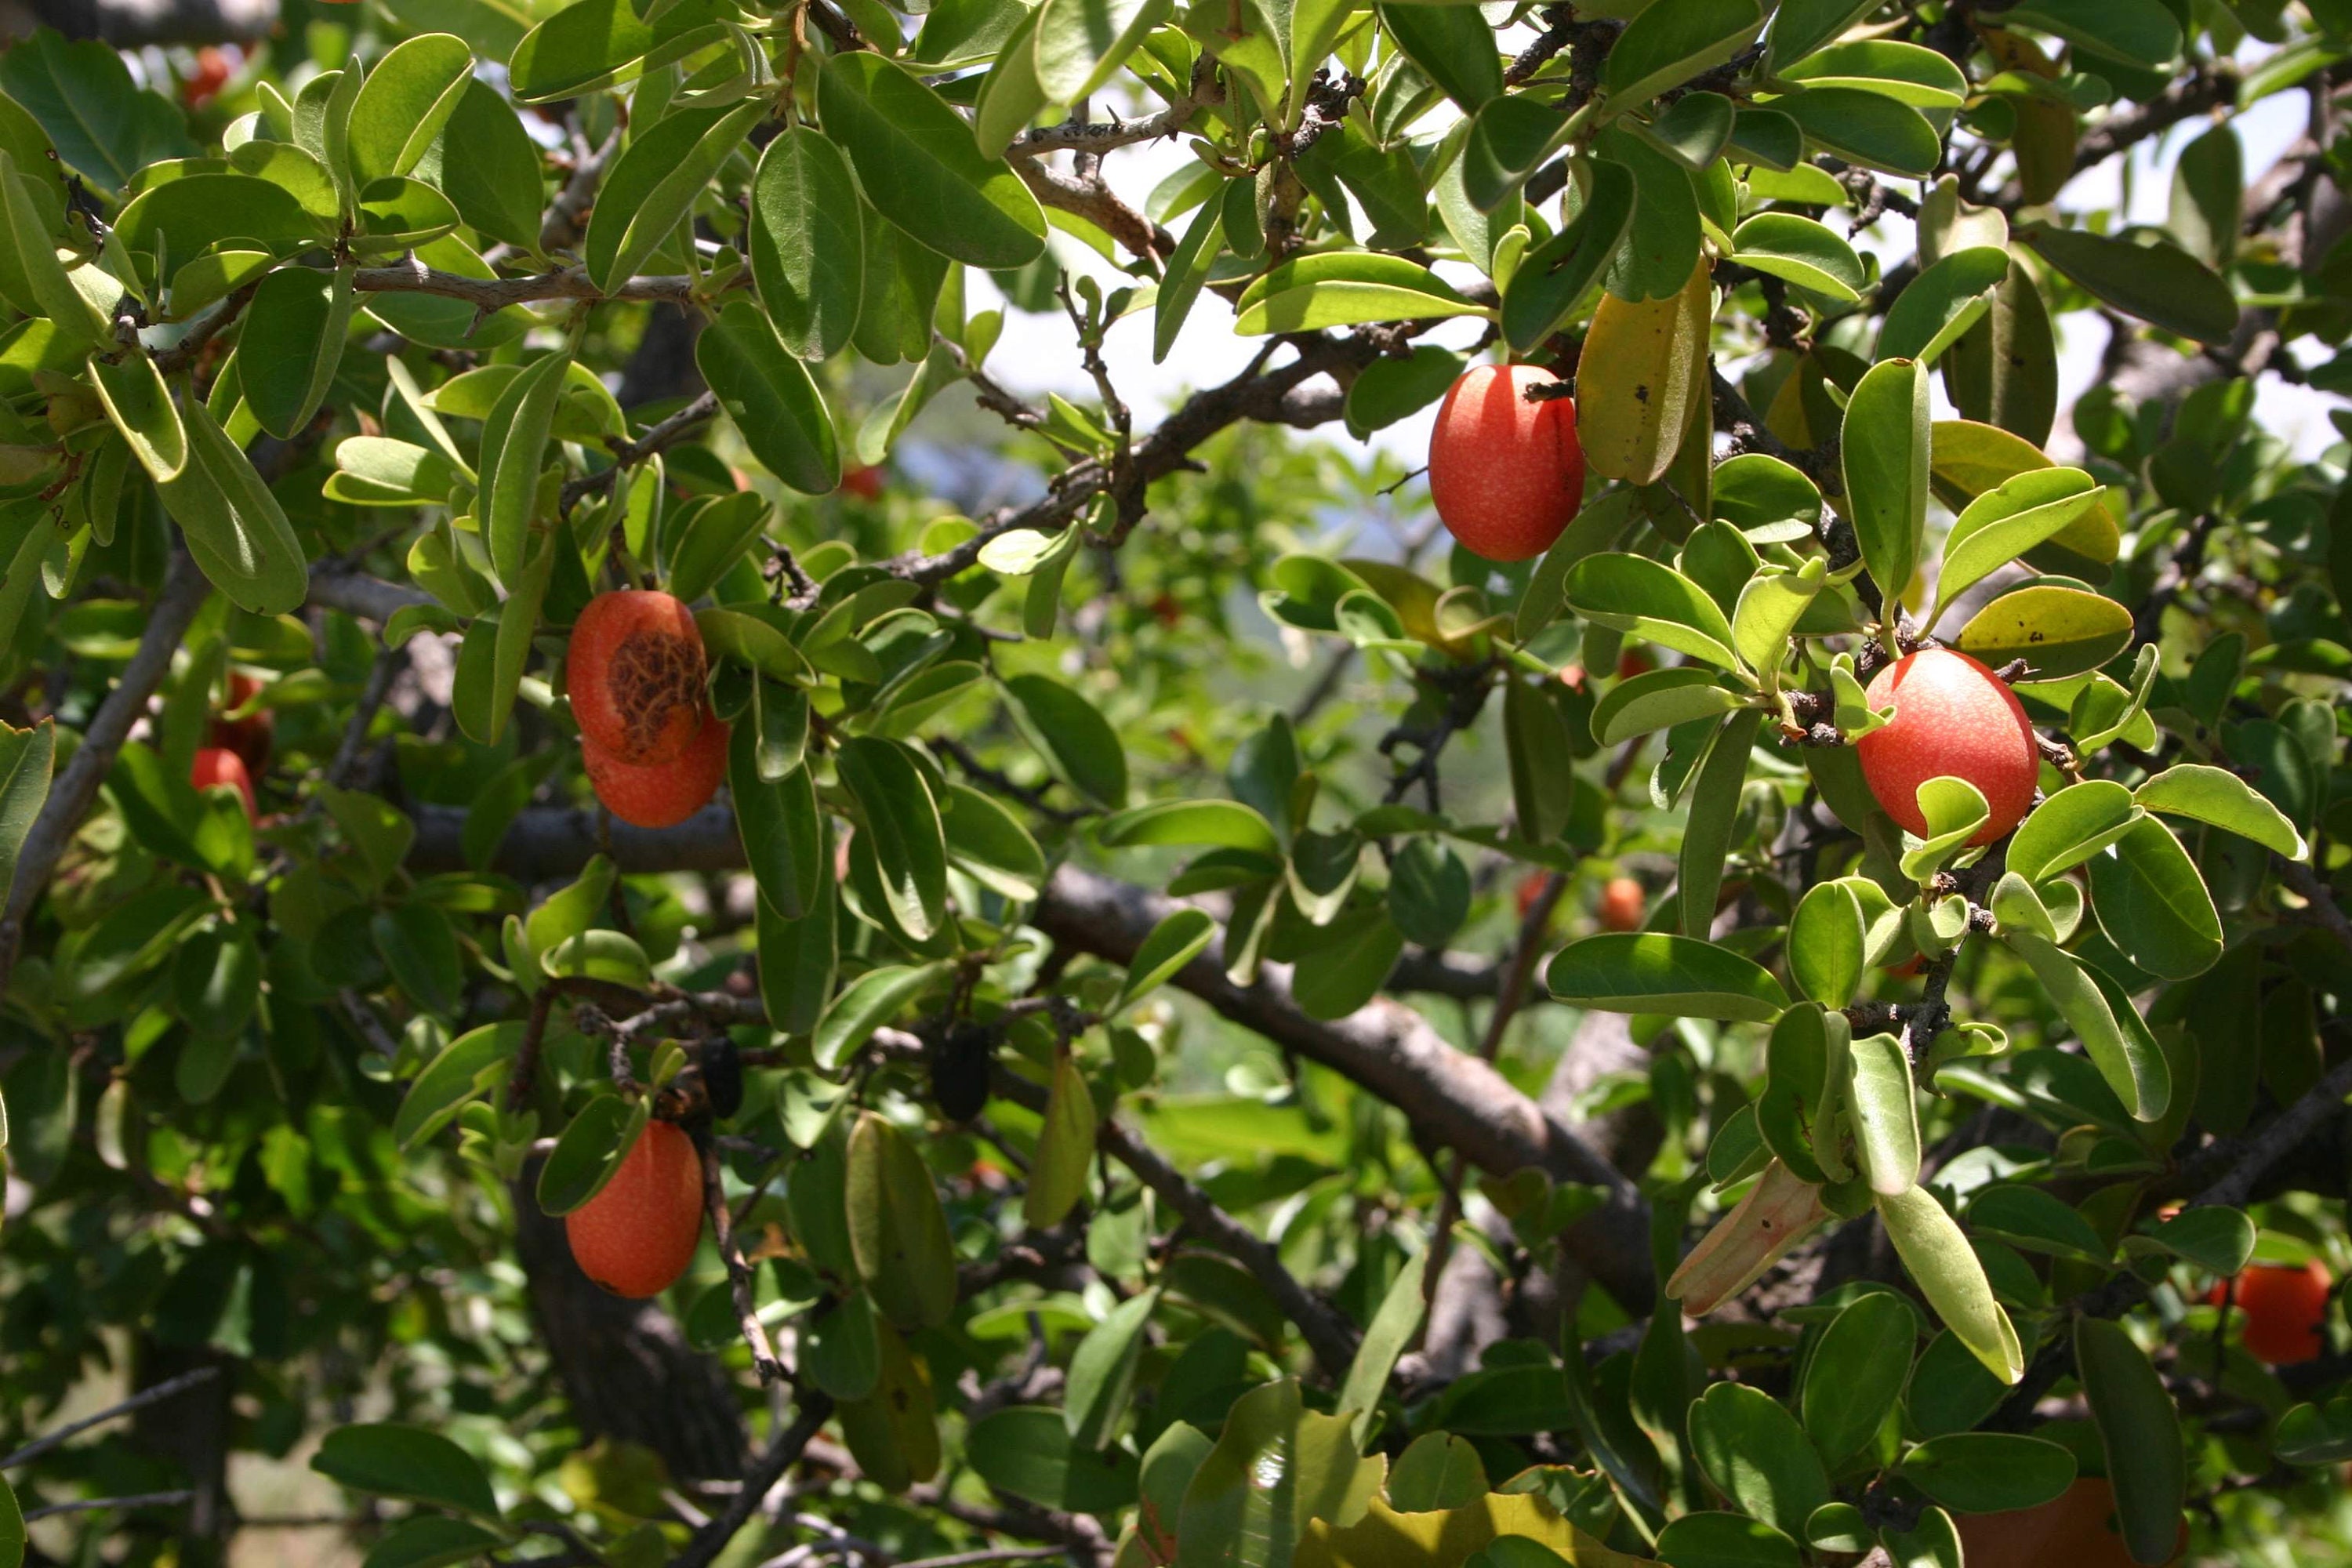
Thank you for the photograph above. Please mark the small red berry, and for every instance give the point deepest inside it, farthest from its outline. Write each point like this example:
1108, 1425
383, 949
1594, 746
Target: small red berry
2284, 1310
1624, 905
217, 766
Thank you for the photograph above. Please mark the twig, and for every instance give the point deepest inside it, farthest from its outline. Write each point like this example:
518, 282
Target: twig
561, 227
85, 1505
139, 1401
739, 1272
388, 664
627, 454
816, 1407
76, 787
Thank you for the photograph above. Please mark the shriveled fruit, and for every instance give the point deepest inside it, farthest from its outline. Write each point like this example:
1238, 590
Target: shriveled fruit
220, 765
1953, 718
635, 673
637, 1236
2283, 1309
1507, 474
665, 793
1622, 904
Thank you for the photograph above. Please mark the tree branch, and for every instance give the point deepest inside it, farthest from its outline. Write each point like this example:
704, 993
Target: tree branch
70, 794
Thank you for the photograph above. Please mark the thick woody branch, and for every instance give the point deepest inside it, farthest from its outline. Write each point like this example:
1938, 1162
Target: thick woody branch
2207, 87
1089, 196
184, 592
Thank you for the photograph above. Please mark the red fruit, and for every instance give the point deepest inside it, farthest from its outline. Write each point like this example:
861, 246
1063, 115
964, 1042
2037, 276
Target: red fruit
1507, 474
1624, 904
635, 673
2283, 1309
1952, 717
637, 1236
207, 79
665, 793
250, 737
1530, 889
1907, 967
865, 482
1634, 662
2077, 1530
216, 765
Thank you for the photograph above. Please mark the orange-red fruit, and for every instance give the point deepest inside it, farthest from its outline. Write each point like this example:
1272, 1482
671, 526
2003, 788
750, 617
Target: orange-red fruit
220, 765
637, 1236
2283, 1309
665, 793
1634, 662
635, 673
1622, 904
1507, 474
864, 481
2075, 1530
1953, 718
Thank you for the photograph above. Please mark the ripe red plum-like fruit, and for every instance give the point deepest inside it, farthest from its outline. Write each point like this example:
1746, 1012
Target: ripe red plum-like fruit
1507, 474
637, 1236
250, 737
665, 793
635, 672
1953, 718
220, 765
2285, 1309
1624, 905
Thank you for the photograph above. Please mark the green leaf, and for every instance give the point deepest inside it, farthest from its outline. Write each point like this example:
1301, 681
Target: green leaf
1990, 1472
1451, 46
1938, 1258
596, 43
1391, 1330
2152, 903
1864, 128
1770, 607
918, 164
232, 525
1856, 1373
2215, 1238
36, 279
1756, 1455
1065, 1148
514, 444
2314, 1435
901, 825
1541, 754
1715, 794
1026, 1451
865, 1005
291, 343
1224, 823
1653, 601
2071, 826
1885, 456
1708, 1538
990, 844
26, 758
1665, 45
2159, 282
496, 182
1177, 939
1073, 737
2217, 796
103, 127
797, 959
1826, 938
394, 1460
1102, 1370
588, 1151
1553, 277
1659, 699
1907, 73
2120, 1045
768, 395
1944, 301
2036, 1221
1885, 1114
897, 1232
2138, 33
1187, 273
141, 406
1275, 1467
405, 102
432, 1540
1349, 968
1653, 972
653, 187
1808, 253
1437, 1472
1081, 43
2004, 522
808, 248
1801, 26
1342, 288
783, 833
497, 646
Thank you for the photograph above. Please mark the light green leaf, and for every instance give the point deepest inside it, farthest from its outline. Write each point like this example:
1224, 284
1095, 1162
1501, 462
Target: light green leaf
1653, 972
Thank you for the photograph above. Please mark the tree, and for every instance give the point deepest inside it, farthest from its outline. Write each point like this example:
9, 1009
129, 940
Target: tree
1160, 1102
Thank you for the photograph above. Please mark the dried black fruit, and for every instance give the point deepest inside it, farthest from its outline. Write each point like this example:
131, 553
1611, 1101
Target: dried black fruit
959, 1070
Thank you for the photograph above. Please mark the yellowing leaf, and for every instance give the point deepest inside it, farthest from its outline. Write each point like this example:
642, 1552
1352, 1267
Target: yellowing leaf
1642, 364
1387, 1539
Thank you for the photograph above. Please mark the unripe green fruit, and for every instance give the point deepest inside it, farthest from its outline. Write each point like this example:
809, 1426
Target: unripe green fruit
637, 1236
1953, 718
1507, 475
